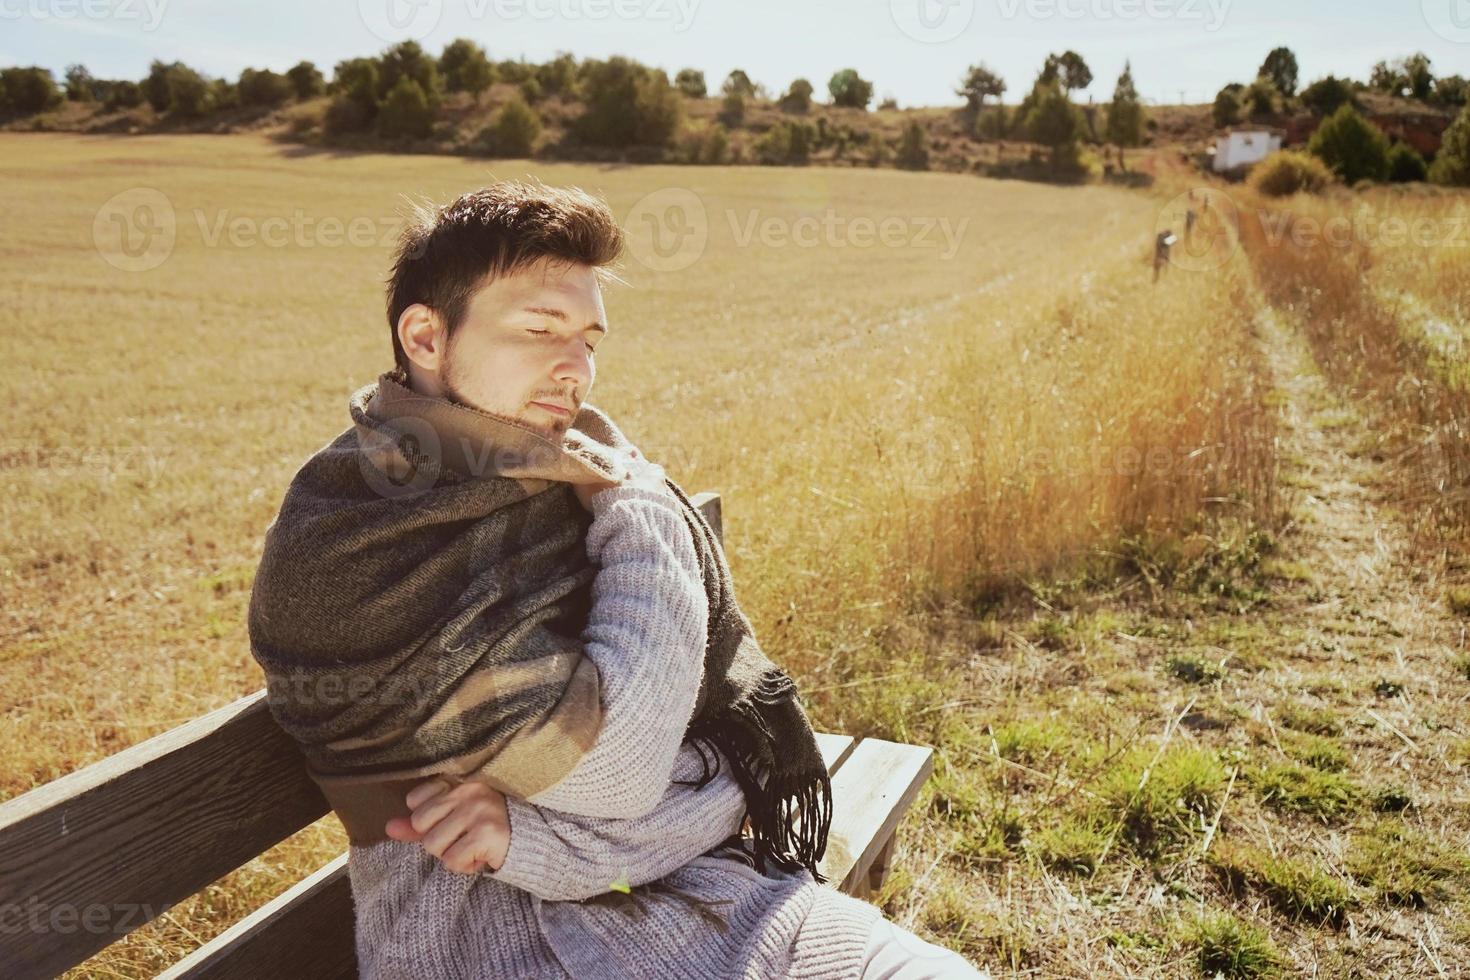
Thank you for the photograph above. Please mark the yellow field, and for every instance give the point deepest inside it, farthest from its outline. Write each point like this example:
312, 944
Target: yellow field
929, 400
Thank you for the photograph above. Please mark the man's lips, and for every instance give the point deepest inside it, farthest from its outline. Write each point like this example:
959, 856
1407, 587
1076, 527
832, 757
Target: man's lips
554, 409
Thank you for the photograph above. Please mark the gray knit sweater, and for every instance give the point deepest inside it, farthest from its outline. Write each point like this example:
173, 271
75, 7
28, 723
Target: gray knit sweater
618, 814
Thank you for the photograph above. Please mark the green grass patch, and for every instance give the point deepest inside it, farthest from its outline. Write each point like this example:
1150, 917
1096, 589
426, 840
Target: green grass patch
1233, 949
1296, 788
1294, 888
1074, 844
1182, 790
1313, 721
1457, 597
1403, 866
1317, 751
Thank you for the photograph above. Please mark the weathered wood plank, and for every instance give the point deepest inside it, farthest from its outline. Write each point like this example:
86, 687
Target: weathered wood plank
872, 790
306, 931
89, 857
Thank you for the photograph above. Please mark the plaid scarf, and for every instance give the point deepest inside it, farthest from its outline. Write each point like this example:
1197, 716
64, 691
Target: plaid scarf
418, 608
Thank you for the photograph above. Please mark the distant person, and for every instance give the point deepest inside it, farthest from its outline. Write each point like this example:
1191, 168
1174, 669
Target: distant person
1189, 219
509, 647
1162, 243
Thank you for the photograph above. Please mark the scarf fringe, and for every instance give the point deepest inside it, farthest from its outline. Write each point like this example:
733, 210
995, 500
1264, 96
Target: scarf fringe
787, 796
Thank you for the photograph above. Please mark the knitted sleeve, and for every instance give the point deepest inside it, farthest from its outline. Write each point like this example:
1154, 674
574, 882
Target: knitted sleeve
646, 632
562, 857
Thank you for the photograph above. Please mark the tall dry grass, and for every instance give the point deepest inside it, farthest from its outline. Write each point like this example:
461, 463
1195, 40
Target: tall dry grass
1380, 283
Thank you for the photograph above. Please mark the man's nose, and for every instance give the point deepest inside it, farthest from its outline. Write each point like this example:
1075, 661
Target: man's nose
575, 364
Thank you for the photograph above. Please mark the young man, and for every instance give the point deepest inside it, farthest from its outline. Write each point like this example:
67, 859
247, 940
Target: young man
627, 859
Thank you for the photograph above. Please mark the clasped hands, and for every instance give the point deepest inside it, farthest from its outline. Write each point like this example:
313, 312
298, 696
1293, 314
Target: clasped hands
463, 823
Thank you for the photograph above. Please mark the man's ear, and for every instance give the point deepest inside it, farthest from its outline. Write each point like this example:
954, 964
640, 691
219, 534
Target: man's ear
422, 333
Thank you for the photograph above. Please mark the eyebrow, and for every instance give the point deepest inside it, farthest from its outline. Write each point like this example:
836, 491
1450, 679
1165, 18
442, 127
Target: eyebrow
556, 314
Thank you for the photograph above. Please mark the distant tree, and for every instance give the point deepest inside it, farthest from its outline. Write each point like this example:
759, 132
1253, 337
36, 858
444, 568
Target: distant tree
690, 81
1354, 148
405, 113
190, 93
514, 131
221, 95
1280, 66
464, 67
407, 59
1452, 163
1390, 78
980, 83
627, 104
155, 85
354, 100
123, 95
1451, 90
1067, 68
559, 75
1417, 73
913, 147
1125, 114
1053, 121
306, 80
1227, 107
1260, 98
1325, 95
80, 85
29, 90
850, 89
1405, 165
263, 88
738, 81
798, 97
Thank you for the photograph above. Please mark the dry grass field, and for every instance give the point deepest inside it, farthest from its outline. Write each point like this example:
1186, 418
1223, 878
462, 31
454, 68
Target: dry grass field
1130, 556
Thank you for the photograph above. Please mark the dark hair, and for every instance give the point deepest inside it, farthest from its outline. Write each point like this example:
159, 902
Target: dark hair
449, 252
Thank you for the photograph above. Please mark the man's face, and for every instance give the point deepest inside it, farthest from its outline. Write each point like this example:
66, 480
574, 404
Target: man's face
525, 345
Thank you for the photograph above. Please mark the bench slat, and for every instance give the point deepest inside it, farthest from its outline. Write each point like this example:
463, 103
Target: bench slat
876, 785
103, 850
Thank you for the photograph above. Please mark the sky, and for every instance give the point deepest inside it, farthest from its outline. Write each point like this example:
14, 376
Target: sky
915, 51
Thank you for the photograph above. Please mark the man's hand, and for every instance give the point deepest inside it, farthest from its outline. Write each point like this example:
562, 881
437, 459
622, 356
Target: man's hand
642, 471
464, 824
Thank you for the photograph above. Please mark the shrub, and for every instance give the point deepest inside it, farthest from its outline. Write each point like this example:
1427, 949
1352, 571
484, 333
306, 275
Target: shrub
514, 131
690, 81
305, 80
627, 104
785, 143
264, 88
798, 97
1227, 106
850, 89
1353, 147
405, 112
1326, 95
913, 148
464, 67
123, 95
1405, 165
1452, 163
28, 90
1288, 172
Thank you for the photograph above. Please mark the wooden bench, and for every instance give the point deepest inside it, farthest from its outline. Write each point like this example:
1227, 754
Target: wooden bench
91, 856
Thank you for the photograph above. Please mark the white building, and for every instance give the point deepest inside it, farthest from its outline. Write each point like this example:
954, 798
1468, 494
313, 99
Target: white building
1243, 147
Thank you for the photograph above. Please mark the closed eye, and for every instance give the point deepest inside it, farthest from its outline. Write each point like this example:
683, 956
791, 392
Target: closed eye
590, 348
